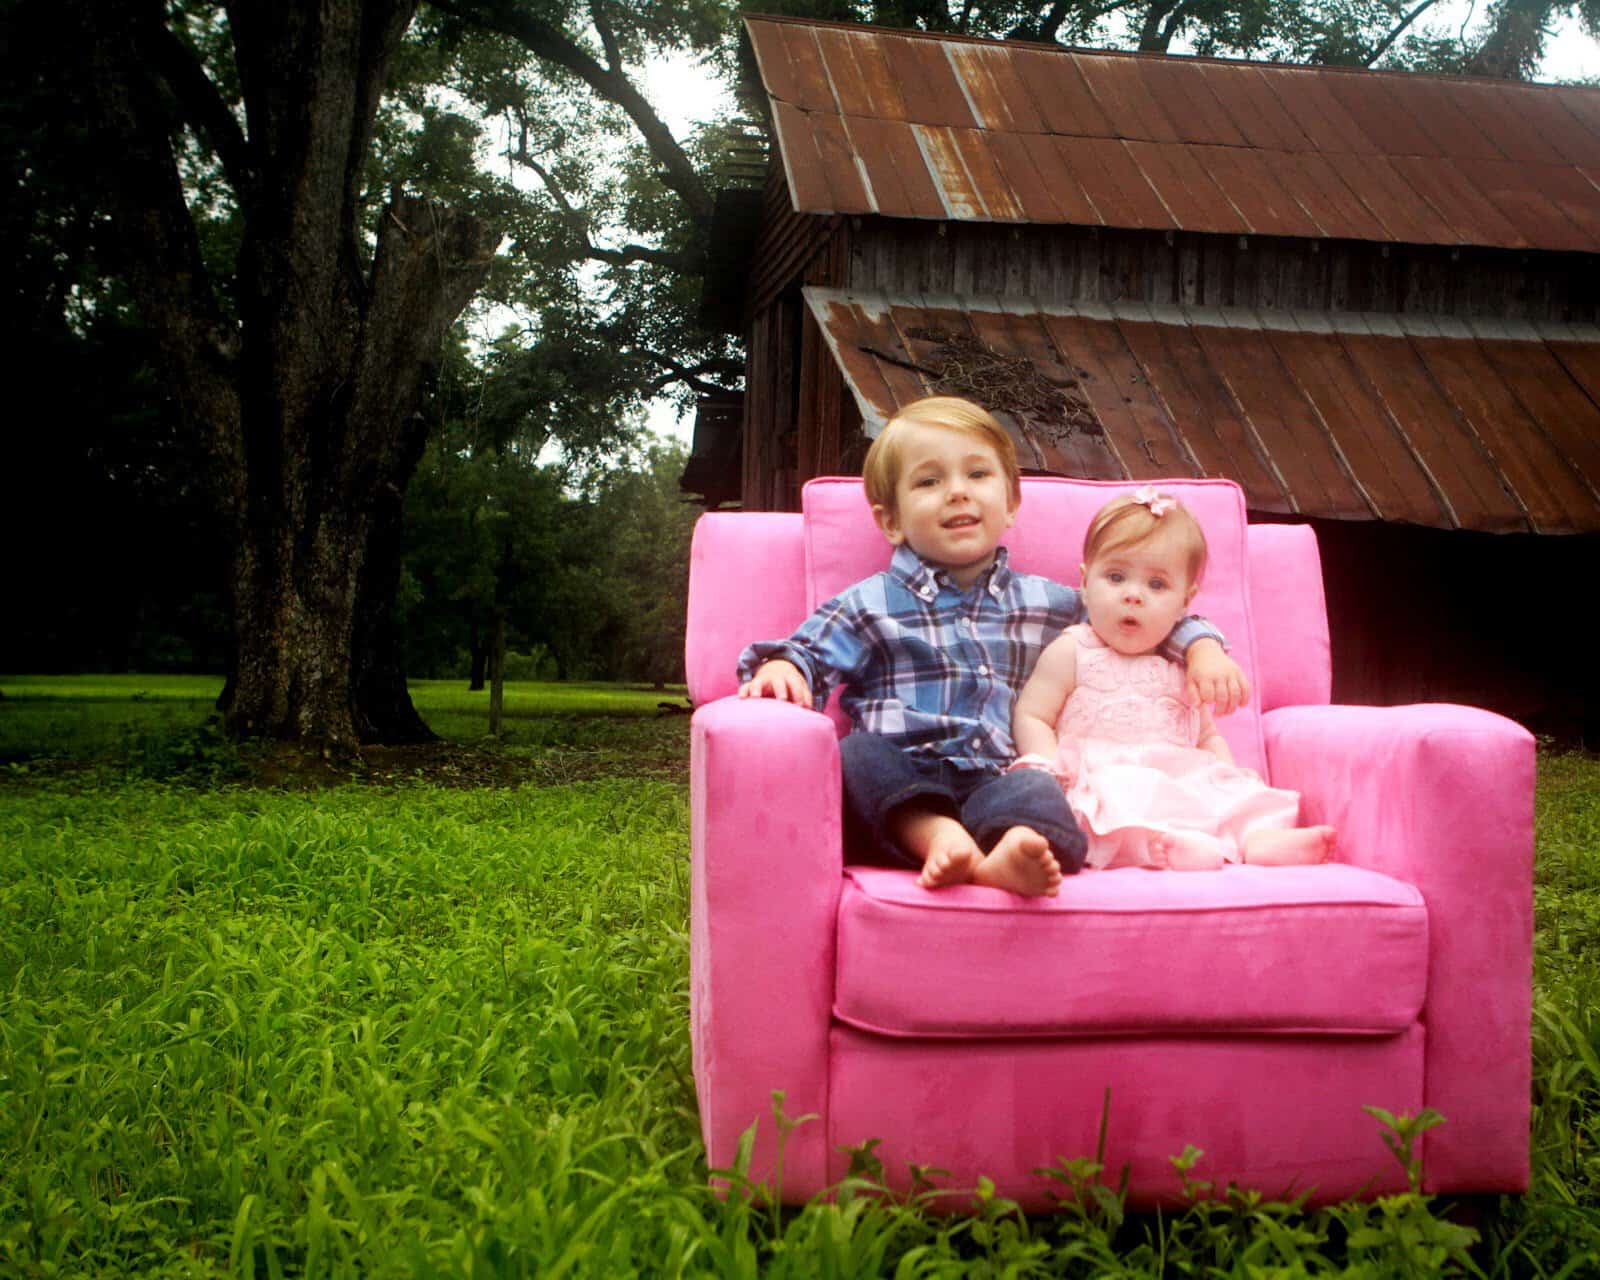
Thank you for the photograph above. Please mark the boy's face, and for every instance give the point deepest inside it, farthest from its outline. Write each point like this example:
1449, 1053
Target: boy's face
1136, 594
952, 501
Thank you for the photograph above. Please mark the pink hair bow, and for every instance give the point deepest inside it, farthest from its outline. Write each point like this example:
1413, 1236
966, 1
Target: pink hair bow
1158, 503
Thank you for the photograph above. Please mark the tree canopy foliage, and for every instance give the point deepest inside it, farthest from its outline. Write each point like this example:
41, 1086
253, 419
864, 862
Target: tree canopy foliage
239, 233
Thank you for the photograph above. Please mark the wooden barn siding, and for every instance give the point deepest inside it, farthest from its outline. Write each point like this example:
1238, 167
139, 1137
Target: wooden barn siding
1071, 264
796, 402
1413, 618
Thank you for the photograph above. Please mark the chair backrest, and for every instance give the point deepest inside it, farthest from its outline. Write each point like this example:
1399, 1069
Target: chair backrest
756, 575
843, 545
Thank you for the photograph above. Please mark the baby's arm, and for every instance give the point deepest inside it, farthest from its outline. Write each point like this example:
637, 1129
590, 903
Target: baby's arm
1211, 740
1033, 719
1214, 677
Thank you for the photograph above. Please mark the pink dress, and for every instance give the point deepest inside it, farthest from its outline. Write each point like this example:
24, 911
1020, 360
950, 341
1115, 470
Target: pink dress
1131, 766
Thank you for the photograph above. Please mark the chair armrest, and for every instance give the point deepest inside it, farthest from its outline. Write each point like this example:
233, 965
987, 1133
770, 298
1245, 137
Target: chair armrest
1442, 797
767, 850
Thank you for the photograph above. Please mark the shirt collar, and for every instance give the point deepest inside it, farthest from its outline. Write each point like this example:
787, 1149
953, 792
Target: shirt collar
926, 579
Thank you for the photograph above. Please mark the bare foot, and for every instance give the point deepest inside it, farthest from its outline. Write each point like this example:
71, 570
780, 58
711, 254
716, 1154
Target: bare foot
1021, 863
1185, 851
949, 854
950, 863
1292, 848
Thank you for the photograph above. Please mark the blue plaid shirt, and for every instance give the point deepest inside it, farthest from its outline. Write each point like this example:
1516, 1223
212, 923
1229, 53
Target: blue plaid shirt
931, 667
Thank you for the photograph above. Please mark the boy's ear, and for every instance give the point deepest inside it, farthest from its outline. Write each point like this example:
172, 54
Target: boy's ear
889, 523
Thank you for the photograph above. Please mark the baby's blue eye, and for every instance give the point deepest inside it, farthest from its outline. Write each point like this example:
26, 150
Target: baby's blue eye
1114, 576
1158, 584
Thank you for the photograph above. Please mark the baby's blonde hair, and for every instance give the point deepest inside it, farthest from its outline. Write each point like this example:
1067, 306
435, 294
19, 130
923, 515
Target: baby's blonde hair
1124, 522
881, 471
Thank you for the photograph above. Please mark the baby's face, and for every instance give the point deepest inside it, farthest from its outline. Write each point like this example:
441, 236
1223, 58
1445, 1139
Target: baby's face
952, 501
1136, 594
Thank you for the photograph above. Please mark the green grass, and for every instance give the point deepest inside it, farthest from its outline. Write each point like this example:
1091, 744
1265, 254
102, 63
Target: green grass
112, 717
399, 1028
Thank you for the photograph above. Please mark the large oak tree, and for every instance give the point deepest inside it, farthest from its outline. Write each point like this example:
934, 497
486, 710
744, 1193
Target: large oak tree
299, 292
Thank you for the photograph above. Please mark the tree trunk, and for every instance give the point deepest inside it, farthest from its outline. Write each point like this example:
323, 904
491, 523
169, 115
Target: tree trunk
480, 661
309, 399
497, 674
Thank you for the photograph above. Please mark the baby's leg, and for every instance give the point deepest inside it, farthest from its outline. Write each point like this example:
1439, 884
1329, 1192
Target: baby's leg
949, 855
1021, 863
1186, 851
1294, 847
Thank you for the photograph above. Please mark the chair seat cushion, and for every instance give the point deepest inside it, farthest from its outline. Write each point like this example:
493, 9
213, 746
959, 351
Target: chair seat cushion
1325, 949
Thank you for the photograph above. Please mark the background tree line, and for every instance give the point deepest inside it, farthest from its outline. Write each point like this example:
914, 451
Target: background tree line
243, 235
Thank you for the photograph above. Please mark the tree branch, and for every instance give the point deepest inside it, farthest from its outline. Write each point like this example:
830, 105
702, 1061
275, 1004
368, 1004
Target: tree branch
1382, 47
202, 106
690, 375
164, 266
611, 83
625, 256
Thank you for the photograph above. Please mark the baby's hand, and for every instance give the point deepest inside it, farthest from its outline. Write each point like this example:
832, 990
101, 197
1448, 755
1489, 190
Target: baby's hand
1215, 678
778, 679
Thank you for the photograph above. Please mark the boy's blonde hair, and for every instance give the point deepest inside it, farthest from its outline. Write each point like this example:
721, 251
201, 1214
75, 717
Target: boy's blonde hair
881, 471
1127, 521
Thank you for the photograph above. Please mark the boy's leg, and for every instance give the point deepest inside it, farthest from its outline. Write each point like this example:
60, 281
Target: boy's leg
1028, 798
903, 813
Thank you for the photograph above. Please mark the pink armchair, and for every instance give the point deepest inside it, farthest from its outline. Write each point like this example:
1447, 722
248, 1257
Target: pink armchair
1250, 1012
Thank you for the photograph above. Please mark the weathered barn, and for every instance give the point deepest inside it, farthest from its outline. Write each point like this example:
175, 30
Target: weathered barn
1370, 298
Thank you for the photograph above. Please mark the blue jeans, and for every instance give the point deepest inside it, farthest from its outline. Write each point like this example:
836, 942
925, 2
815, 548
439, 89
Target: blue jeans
879, 778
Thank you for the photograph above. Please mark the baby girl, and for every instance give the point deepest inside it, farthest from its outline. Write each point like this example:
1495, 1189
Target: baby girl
1148, 777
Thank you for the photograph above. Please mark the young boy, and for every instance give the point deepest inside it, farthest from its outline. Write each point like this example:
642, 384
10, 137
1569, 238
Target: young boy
931, 654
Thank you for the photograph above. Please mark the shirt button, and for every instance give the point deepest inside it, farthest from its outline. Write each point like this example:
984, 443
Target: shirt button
976, 743
983, 670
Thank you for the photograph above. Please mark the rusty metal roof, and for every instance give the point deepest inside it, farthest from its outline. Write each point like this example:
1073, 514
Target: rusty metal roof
911, 125
1489, 425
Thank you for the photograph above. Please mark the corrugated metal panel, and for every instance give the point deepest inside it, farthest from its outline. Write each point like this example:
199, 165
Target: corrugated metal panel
1490, 427
1175, 143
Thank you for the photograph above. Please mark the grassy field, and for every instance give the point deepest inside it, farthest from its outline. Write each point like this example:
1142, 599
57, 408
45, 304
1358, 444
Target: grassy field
435, 1023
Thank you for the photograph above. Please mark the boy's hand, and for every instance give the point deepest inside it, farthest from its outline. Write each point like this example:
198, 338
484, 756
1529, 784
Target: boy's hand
1215, 678
779, 679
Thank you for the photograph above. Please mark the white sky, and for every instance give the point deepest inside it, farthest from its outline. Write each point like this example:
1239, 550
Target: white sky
686, 93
